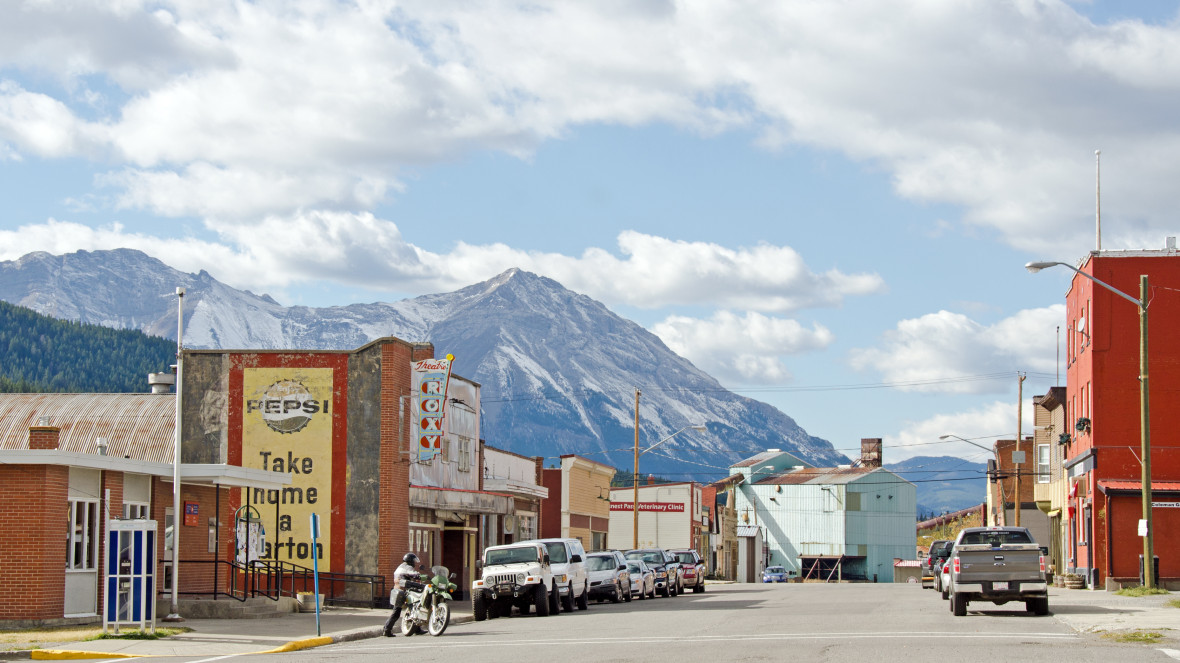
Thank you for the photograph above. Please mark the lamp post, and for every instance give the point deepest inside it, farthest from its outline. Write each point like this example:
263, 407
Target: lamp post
635, 475
174, 612
1144, 409
991, 450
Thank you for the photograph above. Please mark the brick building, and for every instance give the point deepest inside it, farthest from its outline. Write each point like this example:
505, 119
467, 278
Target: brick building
1102, 463
70, 461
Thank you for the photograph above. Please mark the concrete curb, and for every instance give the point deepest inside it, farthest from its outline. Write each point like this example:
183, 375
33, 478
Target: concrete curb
294, 645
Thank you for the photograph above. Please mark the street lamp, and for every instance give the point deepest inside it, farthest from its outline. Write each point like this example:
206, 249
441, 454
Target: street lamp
995, 478
635, 478
1144, 409
174, 612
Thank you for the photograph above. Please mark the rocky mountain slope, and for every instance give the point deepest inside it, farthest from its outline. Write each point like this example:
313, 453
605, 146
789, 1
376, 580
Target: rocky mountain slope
559, 370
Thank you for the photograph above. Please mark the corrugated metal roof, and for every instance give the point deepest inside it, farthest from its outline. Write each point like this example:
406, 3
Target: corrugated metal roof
762, 457
137, 426
907, 563
747, 530
818, 475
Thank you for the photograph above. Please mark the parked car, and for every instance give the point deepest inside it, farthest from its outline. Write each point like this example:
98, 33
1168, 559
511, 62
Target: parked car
939, 552
774, 574
667, 574
643, 579
567, 559
692, 568
997, 564
944, 576
929, 568
516, 574
608, 574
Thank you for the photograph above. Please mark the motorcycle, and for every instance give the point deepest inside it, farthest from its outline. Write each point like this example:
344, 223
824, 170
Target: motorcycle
426, 607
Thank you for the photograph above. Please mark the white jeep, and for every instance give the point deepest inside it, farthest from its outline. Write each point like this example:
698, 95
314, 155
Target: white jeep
516, 574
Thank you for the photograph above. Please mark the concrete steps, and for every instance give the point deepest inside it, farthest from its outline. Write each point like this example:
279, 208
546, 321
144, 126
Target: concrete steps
224, 608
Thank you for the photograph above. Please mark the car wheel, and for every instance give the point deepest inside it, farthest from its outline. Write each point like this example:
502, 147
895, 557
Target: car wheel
1039, 606
479, 606
584, 599
958, 605
541, 600
567, 601
616, 595
553, 597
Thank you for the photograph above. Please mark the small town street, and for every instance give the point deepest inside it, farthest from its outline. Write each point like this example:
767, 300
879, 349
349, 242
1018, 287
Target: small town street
812, 622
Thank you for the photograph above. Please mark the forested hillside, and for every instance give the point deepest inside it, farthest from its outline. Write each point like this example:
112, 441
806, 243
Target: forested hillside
41, 354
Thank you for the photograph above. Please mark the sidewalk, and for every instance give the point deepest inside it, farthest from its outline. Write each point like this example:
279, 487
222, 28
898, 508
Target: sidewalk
1088, 611
228, 637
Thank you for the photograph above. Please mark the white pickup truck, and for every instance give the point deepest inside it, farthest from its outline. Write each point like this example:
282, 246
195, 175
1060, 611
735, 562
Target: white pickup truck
997, 564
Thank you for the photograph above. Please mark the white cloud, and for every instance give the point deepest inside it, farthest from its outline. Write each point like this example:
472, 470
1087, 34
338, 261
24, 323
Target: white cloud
288, 106
982, 425
280, 252
931, 352
746, 348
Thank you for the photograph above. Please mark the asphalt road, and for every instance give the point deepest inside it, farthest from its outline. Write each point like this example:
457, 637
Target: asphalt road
848, 622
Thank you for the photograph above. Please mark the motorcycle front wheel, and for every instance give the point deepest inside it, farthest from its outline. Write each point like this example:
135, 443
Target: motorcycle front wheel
440, 618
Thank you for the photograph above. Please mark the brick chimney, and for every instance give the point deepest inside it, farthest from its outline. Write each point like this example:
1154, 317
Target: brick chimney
43, 437
870, 452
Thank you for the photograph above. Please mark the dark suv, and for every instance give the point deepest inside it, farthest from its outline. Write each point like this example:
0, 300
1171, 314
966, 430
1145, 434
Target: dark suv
666, 566
939, 552
692, 569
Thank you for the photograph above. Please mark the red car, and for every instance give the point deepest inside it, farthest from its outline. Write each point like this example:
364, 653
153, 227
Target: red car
693, 568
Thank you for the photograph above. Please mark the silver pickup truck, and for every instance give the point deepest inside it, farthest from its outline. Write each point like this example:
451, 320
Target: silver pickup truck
997, 564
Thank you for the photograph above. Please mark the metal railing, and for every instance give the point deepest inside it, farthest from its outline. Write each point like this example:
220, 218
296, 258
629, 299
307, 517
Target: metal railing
272, 579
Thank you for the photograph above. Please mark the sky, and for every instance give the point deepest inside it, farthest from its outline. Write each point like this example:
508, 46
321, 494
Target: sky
826, 206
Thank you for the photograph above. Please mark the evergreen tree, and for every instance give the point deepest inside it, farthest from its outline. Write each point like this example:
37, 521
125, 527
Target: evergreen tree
42, 354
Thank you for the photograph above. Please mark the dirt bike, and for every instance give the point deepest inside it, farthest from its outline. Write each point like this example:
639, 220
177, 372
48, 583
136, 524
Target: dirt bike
426, 607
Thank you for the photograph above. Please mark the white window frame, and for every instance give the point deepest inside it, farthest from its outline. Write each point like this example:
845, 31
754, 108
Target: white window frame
83, 535
134, 510
464, 454
1044, 463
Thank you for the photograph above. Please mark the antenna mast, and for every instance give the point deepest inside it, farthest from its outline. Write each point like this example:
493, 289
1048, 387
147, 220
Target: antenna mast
1098, 196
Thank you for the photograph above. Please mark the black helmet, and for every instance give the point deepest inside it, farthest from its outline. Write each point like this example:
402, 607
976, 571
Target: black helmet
410, 558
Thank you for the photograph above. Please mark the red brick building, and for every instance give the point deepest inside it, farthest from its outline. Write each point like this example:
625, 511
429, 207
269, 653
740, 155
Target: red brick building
70, 461
281, 434
1102, 463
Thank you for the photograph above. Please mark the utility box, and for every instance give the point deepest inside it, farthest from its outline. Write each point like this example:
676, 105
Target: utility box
130, 566
1155, 574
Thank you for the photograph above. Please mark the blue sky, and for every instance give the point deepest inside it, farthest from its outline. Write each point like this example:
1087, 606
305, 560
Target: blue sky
826, 206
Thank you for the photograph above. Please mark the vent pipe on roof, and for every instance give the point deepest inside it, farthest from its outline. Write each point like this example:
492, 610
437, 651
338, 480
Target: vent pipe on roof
161, 383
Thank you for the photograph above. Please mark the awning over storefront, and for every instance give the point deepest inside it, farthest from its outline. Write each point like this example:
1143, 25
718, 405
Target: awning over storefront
226, 476
518, 488
1121, 486
463, 501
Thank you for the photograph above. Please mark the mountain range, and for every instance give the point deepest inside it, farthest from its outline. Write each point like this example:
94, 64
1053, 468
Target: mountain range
945, 484
559, 371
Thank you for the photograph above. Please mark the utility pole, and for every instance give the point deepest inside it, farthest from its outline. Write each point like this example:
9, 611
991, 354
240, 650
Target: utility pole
1018, 455
635, 481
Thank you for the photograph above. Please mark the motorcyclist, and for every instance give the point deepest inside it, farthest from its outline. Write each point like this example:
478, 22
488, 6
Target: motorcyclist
408, 570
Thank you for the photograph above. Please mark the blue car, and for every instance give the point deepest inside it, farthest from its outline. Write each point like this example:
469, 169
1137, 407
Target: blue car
774, 574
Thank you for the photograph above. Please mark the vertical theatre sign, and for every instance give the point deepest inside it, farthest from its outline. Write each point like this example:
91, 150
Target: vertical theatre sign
429, 379
287, 427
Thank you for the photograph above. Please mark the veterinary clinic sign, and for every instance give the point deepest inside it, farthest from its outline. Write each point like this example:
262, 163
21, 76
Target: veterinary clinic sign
655, 507
428, 379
